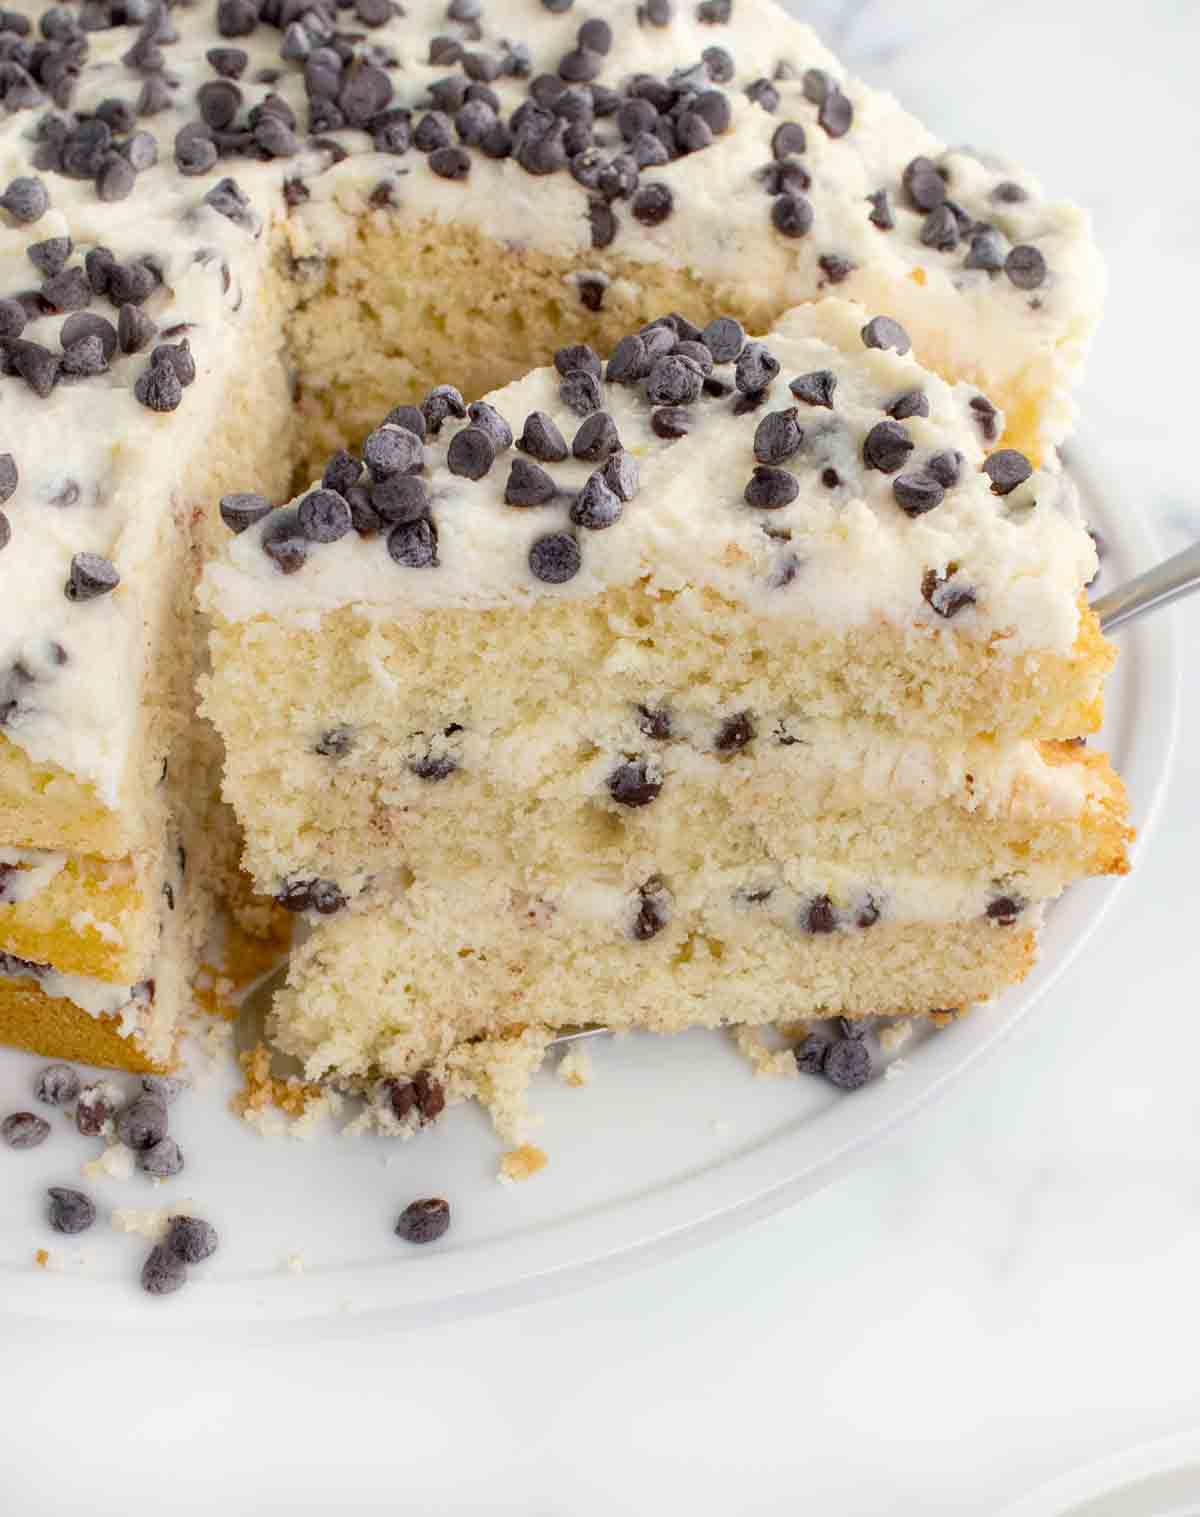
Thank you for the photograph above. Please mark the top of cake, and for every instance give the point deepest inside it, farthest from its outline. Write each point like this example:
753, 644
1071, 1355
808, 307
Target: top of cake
149, 155
818, 473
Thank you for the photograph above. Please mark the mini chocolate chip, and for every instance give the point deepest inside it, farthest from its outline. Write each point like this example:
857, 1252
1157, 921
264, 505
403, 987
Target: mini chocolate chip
809, 1054
757, 367
529, 485
441, 402
943, 595
945, 467
577, 356
674, 381
718, 64
881, 211
819, 916
777, 437
57, 1085
671, 422
191, 1239
450, 162
8, 477
69, 1211
596, 506
323, 516
24, 1130
336, 742
12, 318
219, 101
883, 332
792, 215
1026, 267
342, 471
654, 721
886, 447
596, 438
283, 542
724, 338
471, 453
940, 229
847, 1063
411, 418
836, 114
634, 783
134, 328
1005, 910
815, 389
179, 356
26, 200
142, 1123
392, 450
36, 365
770, 489
555, 558
652, 910
241, 511
91, 576
835, 267
87, 324
165, 1088
603, 222
628, 362
580, 392
542, 440
489, 420
788, 138
424, 1221
917, 493
986, 251
734, 733
911, 403
596, 35
161, 1160
229, 62
713, 108
85, 357
620, 474
50, 256
164, 1272
653, 203
591, 292
925, 187
68, 291
413, 544
1007, 469
158, 387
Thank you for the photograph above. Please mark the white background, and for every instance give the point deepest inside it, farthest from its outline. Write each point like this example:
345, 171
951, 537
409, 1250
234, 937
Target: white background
1009, 1288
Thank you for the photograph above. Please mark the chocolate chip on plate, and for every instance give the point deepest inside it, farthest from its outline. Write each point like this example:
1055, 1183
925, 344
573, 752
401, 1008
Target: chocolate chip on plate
24, 1129
424, 1221
192, 1239
69, 1211
57, 1085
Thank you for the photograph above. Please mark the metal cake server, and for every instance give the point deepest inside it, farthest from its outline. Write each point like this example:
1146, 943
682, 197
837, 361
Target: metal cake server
1169, 581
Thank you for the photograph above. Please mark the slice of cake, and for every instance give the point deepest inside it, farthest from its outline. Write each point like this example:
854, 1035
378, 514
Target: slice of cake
720, 679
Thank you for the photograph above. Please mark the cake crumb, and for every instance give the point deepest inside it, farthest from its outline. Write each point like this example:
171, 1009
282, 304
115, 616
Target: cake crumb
521, 1163
893, 1037
115, 1163
294, 1264
575, 1067
263, 1094
152, 1222
778, 1063
42, 1258
895, 1069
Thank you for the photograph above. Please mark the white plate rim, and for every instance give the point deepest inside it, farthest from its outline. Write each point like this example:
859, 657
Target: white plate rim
636, 1232
1110, 1476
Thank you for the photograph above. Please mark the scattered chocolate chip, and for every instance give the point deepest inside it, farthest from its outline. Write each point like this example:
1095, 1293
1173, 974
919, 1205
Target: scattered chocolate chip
24, 1130
777, 437
284, 543
940, 229
770, 489
413, 545
191, 1239
57, 1085
671, 422
1005, 909
654, 721
442, 401
596, 438
1026, 267
835, 267
883, 332
620, 474
323, 516
734, 733
881, 211
50, 256
809, 1054
12, 318
179, 356
158, 387
424, 1221
162, 1159
836, 114
886, 447
95, 1109
26, 200
555, 558
134, 328
164, 1272
90, 576
69, 1211
819, 916
792, 215
8, 477
489, 420
986, 251
944, 595
815, 389
596, 506
411, 418
634, 783
471, 453
36, 365
724, 338
580, 392
917, 493
1006, 468
925, 187
84, 324
542, 440
229, 62
240, 512
653, 203
674, 381
787, 139
142, 1123
603, 221
756, 368
847, 1063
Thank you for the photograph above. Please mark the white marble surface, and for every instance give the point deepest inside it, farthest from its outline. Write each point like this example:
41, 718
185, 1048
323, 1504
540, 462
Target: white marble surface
1005, 1291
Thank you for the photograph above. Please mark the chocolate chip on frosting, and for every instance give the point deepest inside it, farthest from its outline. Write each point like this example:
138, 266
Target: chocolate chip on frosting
9, 477
442, 401
85, 324
986, 251
580, 392
911, 403
25, 200
1026, 267
542, 440
620, 474
886, 447
398, 498
945, 467
652, 204
596, 438
674, 381
883, 332
158, 387
323, 516
1007, 468
413, 545
471, 453
792, 215
134, 328
91, 576
815, 389
240, 511
777, 437
724, 338
987, 416
554, 558
769, 489
489, 420
756, 368
924, 186
734, 733
946, 594
529, 485
835, 114
596, 506
917, 493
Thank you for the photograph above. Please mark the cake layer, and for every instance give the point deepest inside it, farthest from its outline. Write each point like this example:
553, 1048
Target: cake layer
93, 917
394, 988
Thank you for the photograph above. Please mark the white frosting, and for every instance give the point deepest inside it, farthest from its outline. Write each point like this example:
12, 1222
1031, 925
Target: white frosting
858, 556
127, 462
34, 869
97, 997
